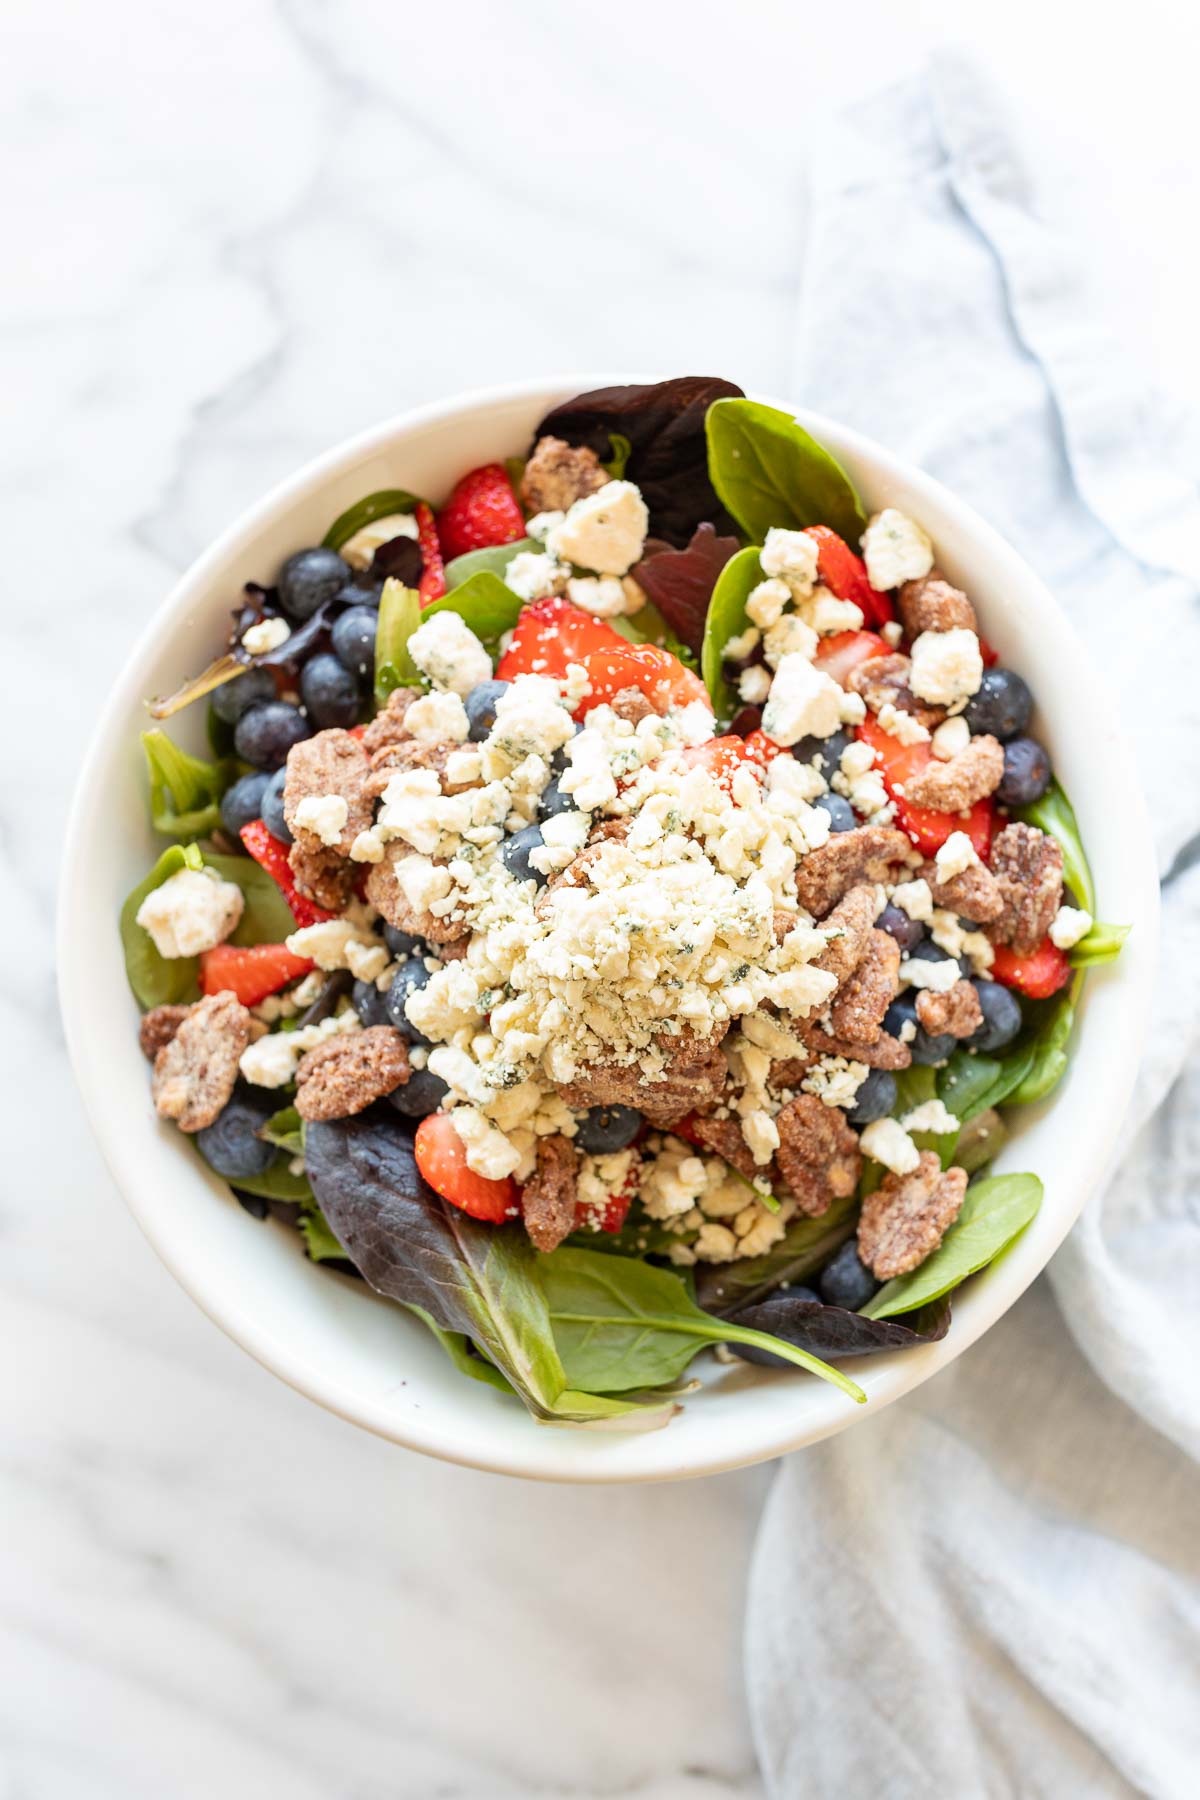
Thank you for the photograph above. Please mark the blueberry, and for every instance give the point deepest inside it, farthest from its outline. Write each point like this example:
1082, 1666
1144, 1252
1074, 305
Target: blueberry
907, 932
480, 706
235, 697
1026, 773
370, 1004
844, 1281
329, 691
607, 1128
555, 801
928, 951
354, 640
272, 807
243, 801
408, 978
1001, 705
361, 590
230, 1144
828, 750
841, 813
923, 1048
1001, 1017
558, 762
806, 1295
516, 850
874, 1099
264, 735
310, 578
402, 943
420, 1095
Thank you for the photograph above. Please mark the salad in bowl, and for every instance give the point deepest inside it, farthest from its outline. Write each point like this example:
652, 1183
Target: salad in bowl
623, 907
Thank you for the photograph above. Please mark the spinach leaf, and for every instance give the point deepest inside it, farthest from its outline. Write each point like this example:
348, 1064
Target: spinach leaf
458, 1348
278, 1183
266, 917
1049, 1032
484, 603
366, 511
1101, 945
619, 452
479, 1281
971, 1081
980, 1141
832, 1331
157, 980
399, 616
184, 791
994, 1212
494, 560
805, 1247
319, 1241
680, 583
727, 619
769, 471
285, 1129
1054, 813
620, 1324
647, 626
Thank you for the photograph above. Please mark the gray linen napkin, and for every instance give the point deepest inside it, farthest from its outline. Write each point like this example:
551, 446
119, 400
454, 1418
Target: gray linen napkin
990, 1589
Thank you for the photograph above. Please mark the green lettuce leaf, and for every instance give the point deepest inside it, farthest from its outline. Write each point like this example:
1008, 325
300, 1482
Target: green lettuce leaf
768, 471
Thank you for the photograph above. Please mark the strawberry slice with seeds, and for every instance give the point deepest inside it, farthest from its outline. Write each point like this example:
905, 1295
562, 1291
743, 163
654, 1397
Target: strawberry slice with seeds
927, 827
482, 510
550, 635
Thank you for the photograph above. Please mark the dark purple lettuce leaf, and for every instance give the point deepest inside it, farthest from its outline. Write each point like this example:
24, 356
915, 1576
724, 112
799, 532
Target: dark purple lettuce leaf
399, 557
668, 458
680, 582
830, 1331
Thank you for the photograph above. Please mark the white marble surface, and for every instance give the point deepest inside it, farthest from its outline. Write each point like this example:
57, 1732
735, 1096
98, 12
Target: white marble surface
233, 234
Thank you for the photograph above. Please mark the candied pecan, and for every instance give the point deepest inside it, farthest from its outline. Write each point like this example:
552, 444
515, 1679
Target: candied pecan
818, 1155
787, 1072
631, 704
408, 753
385, 894
388, 727
548, 1197
332, 762
956, 785
848, 857
885, 1052
455, 950
852, 919
724, 1138
857, 1012
1028, 866
694, 1078
194, 1075
557, 475
347, 1072
972, 895
159, 1026
956, 1013
323, 875
907, 1217
883, 681
931, 604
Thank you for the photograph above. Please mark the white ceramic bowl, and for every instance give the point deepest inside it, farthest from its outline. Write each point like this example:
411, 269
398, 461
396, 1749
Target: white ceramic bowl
371, 1362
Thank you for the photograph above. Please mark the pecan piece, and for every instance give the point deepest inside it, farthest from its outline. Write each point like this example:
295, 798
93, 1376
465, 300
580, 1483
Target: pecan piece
973, 895
332, 762
159, 1026
857, 1013
385, 893
885, 1052
907, 1217
557, 474
956, 785
548, 1197
322, 875
409, 753
931, 604
345, 1074
388, 727
1028, 866
818, 1155
956, 1013
787, 1072
724, 1138
631, 704
852, 919
194, 1074
693, 1079
849, 857
883, 681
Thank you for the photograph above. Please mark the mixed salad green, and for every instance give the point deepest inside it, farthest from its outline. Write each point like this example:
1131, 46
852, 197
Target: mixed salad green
619, 910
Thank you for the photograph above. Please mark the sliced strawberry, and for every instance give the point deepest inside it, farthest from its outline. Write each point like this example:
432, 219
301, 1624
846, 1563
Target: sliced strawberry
661, 677
927, 828
272, 856
482, 510
1042, 973
616, 1207
990, 657
838, 654
762, 749
724, 756
549, 635
252, 972
432, 584
442, 1159
845, 575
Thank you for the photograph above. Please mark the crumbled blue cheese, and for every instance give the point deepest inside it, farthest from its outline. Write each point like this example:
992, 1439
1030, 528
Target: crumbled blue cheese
489, 1152
737, 649
946, 667
754, 684
324, 815
533, 574
359, 550
605, 596
791, 556
955, 856
542, 524
835, 1080
438, 718
895, 549
932, 1115
803, 702
192, 911
446, 650
271, 1061
888, 1143
766, 602
789, 636
268, 634
939, 977
827, 615
950, 739
1069, 925
328, 942
914, 898
531, 718
604, 531
905, 727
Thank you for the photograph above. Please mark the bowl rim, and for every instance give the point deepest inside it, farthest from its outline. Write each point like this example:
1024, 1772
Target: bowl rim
535, 1455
